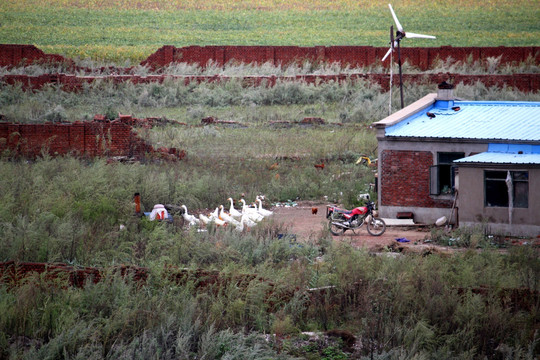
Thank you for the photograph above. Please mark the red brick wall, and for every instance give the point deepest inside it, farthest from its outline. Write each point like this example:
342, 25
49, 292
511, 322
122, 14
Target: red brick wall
405, 179
13, 54
423, 58
352, 55
98, 138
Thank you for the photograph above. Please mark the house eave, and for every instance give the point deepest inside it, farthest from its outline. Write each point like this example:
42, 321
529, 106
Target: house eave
456, 140
406, 112
490, 165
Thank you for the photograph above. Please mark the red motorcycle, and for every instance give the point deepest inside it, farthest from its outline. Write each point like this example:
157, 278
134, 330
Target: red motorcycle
342, 220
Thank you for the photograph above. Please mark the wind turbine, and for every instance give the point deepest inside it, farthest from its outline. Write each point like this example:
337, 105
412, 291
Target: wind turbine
394, 43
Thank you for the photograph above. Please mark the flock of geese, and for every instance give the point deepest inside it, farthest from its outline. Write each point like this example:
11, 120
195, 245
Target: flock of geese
246, 218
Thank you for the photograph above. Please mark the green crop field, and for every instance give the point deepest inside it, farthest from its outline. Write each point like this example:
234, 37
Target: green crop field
120, 30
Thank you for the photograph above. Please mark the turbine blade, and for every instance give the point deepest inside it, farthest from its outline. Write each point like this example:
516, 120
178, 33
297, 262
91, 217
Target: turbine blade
387, 53
413, 35
399, 27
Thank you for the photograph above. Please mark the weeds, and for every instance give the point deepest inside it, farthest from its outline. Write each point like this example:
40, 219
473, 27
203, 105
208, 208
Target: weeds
81, 212
409, 303
88, 67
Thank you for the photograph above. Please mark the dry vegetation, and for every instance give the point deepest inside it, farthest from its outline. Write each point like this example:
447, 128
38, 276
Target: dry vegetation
70, 210
80, 211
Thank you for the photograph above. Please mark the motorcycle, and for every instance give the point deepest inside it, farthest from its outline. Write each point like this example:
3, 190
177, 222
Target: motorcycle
342, 220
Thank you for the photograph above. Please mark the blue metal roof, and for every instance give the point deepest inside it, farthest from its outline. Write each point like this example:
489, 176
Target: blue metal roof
501, 158
487, 120
516, 154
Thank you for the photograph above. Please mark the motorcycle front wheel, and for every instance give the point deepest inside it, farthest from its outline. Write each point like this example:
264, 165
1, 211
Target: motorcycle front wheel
335, 230
376, 226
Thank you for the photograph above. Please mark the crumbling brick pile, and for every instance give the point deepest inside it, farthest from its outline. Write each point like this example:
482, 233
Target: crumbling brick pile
146, 123
14, 274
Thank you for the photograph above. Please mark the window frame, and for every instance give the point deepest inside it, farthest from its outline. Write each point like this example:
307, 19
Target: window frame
522, 202
435, 187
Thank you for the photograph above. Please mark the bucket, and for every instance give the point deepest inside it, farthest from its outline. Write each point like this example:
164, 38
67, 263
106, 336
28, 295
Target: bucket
441, 221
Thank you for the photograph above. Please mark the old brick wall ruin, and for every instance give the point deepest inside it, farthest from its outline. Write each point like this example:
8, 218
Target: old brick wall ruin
93, 138
14, 274
356, 56
521, 82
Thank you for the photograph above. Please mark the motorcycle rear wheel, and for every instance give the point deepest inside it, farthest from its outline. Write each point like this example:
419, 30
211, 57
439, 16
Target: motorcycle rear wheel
376, 226
335, 230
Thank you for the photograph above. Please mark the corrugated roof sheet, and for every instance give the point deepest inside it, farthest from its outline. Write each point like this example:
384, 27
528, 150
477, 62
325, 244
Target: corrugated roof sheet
502, 120
501, 158
505, 154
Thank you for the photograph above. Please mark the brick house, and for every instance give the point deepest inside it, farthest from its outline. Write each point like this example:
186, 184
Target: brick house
473, 162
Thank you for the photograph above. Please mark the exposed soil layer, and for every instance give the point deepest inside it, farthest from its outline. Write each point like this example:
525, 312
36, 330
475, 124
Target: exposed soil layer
301, 221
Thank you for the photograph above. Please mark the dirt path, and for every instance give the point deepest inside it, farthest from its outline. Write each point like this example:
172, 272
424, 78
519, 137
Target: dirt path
301, 221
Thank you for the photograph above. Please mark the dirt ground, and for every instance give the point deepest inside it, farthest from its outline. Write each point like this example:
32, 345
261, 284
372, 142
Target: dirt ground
301, 221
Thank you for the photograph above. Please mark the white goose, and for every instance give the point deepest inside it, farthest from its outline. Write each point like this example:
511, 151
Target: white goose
240, 226
214, 215
232, 211
206, 220
247, 209
263, 211
191, 219
245, 222
226, 217
251, 213
248, 222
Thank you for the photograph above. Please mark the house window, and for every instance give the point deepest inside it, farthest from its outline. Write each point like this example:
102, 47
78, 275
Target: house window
442, 174
497, 188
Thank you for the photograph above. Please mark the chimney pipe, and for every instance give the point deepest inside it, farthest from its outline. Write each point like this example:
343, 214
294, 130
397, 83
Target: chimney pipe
445, 95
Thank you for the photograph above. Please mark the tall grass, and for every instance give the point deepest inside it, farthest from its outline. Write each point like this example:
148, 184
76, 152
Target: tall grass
64, 209
89, 67
67, 210
349, 102
410, 305
71, 210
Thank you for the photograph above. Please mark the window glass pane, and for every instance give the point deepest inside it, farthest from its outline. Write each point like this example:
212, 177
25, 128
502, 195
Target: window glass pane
520, 175
496, 175
445, 179
496, 193
433, 180
521, 194
496, 189
447, 158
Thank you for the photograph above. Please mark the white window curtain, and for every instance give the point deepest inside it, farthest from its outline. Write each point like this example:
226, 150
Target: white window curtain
510, 186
